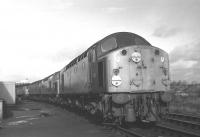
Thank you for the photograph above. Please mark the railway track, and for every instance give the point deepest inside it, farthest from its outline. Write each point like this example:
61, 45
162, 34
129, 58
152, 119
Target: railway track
188, 117
158, 130
184, 120
173, 130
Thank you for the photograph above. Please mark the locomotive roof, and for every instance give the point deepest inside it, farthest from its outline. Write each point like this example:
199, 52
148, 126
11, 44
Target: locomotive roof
120, 35
38, 81
125, 36
51, 75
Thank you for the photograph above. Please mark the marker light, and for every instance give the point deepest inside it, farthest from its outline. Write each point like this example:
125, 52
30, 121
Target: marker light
116, 71
162, 59
124, 52
116, 80
136, 57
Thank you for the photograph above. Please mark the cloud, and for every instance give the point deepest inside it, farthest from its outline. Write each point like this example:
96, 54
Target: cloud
185, 62
114, 9
40, 37
67, 55
165, 32
188, 75
188, 51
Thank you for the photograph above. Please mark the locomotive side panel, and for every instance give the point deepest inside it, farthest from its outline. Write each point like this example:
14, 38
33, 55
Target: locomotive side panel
22, 89
61, 80
73, 82
55, 83
49, 85
46, 87
79, 77
34, 88
83, 76
76, 78
67, 80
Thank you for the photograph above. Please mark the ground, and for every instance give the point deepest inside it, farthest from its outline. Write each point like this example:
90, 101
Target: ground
34, 119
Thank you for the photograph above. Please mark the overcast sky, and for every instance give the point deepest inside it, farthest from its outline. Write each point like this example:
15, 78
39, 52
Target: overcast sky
39, 37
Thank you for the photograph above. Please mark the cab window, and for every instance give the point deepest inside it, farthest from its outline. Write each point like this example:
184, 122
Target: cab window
108, 45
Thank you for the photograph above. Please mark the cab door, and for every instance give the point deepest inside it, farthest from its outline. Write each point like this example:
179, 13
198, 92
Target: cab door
62, 82
92, 69
102, 74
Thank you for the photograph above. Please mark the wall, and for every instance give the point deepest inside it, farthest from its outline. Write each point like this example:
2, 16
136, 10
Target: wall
7, 92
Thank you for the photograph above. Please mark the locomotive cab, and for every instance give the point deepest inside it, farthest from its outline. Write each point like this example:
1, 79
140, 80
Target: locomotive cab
133, 74
128, 63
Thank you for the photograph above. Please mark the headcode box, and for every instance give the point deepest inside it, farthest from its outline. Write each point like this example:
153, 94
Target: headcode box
7, 92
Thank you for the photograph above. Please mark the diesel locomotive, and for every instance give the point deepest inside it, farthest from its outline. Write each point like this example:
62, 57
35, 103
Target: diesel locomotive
121, 78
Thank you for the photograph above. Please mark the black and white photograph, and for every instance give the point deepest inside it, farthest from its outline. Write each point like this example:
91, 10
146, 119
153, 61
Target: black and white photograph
100, 68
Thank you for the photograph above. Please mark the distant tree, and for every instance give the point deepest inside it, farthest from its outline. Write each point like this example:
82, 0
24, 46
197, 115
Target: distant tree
194, 83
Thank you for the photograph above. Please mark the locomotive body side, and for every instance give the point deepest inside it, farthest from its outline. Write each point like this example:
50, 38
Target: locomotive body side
75, 79
50, 84
21, 89
55, 83
34, 88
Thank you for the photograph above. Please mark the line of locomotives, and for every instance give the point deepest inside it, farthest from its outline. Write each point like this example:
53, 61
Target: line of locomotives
121, 78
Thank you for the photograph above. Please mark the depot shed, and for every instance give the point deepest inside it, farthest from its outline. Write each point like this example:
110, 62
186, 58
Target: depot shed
7, 92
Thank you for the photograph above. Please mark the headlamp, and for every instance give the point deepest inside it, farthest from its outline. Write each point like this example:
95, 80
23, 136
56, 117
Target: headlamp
116, 80
136, 57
